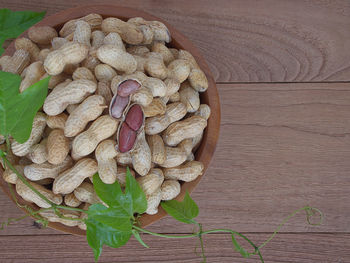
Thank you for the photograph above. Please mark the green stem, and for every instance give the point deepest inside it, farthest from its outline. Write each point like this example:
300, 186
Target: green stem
162, 235
71, 208
8, 144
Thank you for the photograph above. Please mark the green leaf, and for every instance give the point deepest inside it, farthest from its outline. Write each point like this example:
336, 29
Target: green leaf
14, 23
138, 238
135, 193
110, 217
183, 211
98, 234
113, 196
238, 247
17, 110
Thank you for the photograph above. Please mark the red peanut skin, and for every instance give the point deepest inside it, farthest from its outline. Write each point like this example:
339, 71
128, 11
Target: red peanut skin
128, 87
134, 117
127, 138
118, 106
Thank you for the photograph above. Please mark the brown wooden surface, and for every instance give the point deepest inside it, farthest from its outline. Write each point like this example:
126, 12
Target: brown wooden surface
281, 146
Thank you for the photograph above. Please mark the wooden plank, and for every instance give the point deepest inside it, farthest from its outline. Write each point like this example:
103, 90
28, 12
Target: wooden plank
252, 41
301, 248
282, 146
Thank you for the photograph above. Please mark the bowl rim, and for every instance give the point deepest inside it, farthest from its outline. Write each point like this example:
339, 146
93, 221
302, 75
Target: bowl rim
205, 151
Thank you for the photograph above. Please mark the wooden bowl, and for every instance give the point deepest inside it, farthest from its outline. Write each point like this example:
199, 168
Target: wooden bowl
179, 41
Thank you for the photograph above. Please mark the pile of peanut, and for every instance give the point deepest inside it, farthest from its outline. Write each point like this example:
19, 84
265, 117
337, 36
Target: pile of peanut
118, 96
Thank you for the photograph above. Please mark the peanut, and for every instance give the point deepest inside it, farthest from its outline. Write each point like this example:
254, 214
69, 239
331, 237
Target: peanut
101, 129
170, 189
33, 74
90, 109
179, 70
138, 50
104, 72
69, 53
189, 97
104, 90
118, 105
114, 39
82, 225
29, 46
117, 58
83, 73
57, 147
157, 124
38, 127
17, 63
58, 42
204, 112
198, 80
177, 155
58, 121
97, 38
175, 52
94, 20
107, 166
157, 148
135, 117
183, 54
82, 32
70, 179
143, 97
42, 34
56, 80
141, 156
52, 217
175, 97
152, 181
71, 200
57, 101
157, 107
121, 175
186, 172
38, 153
71, 107
153, 201
128, 32
9, 176
126, 138
172, 86
128, 87
27, 194
155, 66
124, 158
43, 54
180, 130
86, 193
164, 51
36, 172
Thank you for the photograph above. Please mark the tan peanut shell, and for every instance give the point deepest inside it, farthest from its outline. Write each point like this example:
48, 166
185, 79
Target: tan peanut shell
17, 63
175, 52
97, 38
186, 172
174, 156
157, 107
104, 90
156, 86
170, 189
138, 50
153, 201
117, 58
94, 20
36, 172
155, 66
104, 72
27, 194
190, 157
9, 176
124, 158
101, 129
86, 193
71, 200
82, 225
179, 70
142, 96
141, 156
175, 97
198, 80
27, 45
114, 39
189, 97
38, 152
83, 73
180, 130
57, 101
140, 63
71, 107
57, 147
39, 123
56, 80
42, 34
172, 86
57, 122
107, 166
173, 113
121, 175
33, 74
52, 217
43, 54
69, 53
69, 180
164, 51
128, 32
151, 181
90, 109
184, 54
82, 32
203, 111
157, 148
58, 42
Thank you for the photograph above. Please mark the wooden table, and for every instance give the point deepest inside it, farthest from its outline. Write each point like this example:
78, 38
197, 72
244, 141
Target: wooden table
282, 69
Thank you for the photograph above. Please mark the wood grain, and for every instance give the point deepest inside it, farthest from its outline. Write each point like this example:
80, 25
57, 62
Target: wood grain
287, 248
282, 146
251, 41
